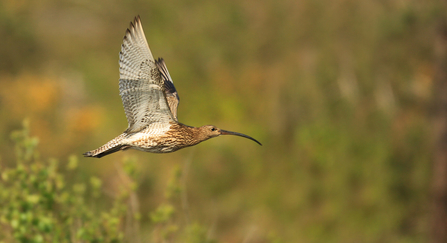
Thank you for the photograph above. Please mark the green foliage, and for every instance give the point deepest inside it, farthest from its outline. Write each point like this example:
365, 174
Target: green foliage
162, 214
166, 218
195, 233
39, 205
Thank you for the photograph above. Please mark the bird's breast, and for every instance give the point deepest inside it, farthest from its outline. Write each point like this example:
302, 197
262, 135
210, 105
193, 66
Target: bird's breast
157, 138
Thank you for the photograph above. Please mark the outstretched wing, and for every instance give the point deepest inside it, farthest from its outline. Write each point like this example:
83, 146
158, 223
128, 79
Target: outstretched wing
169, 88
141, 85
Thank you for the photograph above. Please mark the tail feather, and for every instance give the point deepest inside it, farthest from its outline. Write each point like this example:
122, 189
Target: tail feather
102, 154
111, 147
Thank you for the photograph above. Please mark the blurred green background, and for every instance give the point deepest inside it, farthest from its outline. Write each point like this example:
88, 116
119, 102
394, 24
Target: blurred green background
338, 92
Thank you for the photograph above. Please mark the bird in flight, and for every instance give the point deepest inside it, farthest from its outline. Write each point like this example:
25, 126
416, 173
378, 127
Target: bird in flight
150, 102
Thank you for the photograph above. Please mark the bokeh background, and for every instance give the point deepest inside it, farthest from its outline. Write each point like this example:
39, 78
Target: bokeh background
338, 92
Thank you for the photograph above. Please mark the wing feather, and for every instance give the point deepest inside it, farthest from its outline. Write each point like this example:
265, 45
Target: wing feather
169, 88
141, 85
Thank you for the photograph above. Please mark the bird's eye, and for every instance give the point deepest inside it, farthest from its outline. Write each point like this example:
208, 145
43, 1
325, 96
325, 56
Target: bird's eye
213, 129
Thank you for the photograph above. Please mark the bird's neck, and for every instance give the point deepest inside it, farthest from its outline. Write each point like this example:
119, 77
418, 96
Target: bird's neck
188, 135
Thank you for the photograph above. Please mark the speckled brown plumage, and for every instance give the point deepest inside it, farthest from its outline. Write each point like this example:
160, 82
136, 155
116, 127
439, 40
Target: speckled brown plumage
150, 103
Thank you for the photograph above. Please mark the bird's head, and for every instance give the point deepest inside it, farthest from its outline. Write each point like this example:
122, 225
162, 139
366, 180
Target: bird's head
210, 131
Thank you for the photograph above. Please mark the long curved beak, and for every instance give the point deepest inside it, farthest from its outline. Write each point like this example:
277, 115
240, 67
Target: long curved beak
224, 132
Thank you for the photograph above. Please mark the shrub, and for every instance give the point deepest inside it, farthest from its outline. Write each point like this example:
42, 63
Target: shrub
39, 205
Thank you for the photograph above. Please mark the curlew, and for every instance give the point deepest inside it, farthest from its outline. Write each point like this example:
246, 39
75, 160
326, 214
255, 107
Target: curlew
150, 102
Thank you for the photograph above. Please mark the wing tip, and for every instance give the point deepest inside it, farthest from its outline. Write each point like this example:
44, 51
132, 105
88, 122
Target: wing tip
137, 19
136, 23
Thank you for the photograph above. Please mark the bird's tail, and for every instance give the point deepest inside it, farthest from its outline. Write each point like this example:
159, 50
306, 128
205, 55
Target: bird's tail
112, 146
